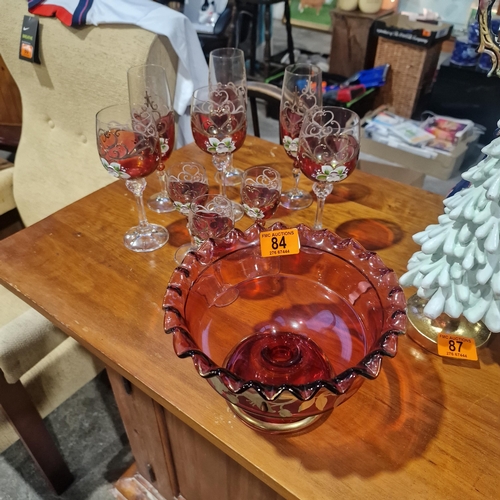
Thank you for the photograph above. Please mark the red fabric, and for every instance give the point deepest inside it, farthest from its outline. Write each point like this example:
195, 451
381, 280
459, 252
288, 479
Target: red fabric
53, 11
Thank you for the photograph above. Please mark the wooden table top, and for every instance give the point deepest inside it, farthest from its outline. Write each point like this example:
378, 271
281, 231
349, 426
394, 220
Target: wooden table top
426, 428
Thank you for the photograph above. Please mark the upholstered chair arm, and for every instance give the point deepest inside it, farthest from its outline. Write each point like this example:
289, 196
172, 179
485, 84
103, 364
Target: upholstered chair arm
6, 191
24, 342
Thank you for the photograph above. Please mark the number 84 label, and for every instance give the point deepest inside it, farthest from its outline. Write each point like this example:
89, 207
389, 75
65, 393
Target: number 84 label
456, 346
280, 242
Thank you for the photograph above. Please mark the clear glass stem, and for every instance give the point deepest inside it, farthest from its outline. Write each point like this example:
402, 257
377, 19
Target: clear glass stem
221, 162
193, 242
162, 176
137, 186
229, 166
296, 177
321, 190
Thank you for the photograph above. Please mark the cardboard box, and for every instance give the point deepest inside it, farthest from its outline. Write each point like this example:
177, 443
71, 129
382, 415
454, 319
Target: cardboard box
443, 166
399, 28
399, 174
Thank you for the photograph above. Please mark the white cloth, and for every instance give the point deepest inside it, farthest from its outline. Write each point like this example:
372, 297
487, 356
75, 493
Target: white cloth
192, 71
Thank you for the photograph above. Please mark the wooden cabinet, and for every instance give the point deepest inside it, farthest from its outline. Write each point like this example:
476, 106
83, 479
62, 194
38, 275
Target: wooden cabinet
352, 46
174, 459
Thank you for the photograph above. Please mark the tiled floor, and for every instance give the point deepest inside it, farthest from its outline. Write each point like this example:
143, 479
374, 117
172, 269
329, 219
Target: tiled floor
87, 426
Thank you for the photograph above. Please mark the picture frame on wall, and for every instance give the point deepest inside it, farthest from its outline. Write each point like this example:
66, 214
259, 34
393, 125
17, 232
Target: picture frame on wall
312, 14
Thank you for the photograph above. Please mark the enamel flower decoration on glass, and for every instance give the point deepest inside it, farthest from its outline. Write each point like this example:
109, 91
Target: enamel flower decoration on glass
198, 241
219, 147
254, 213
291, 145
164, 146
183, 208
114, 169
331, 173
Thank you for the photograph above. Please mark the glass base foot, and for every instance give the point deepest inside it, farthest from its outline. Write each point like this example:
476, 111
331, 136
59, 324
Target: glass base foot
161, 203
226, 297
233, 177
182, 251
145, 239
425, 331
238, 211
296, 199
274, 428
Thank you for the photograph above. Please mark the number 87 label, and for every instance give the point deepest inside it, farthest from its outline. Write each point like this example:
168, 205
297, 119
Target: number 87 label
280, 242
456, 346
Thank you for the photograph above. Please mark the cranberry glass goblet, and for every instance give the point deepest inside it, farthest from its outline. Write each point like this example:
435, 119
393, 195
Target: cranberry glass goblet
328, 150
219, 125
185, 182
302, 332
149, 95
301, 91
226, 67
130, 149
260, 192
210, 216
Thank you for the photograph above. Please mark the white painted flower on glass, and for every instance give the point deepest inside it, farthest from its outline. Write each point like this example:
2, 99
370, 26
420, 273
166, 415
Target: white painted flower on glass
219, 147
183, 208
164, 146
254, 213
114, 169
197, 241
330, 173
291, 145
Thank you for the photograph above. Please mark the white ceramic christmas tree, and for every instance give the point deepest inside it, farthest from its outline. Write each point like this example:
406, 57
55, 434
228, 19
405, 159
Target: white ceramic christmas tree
458, 268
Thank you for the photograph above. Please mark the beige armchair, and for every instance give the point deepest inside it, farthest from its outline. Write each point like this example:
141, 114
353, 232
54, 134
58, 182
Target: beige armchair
81, 71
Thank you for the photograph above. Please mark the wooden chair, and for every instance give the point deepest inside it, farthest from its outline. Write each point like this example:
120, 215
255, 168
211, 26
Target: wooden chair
261, 91
81, 71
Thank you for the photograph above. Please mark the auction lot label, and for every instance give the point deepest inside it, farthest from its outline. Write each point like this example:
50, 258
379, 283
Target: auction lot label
457, 347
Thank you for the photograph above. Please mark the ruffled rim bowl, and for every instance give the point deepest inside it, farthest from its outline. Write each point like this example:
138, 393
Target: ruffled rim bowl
368, 263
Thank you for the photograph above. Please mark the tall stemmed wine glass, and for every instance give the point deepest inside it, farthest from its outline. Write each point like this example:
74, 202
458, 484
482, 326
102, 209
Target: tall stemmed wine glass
219, 125
328, 150
260, 192
130, 149
148, 94
301, 92
186, 181
226, 67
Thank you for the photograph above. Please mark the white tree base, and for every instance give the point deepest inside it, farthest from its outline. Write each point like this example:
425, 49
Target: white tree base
426, 330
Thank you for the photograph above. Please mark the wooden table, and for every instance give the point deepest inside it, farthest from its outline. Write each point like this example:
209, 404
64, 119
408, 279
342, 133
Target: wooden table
427, 428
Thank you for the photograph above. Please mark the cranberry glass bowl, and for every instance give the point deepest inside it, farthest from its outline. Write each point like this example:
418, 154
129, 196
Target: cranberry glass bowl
284, 339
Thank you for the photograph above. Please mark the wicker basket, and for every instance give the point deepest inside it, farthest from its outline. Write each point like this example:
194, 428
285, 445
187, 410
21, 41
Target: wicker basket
411, 74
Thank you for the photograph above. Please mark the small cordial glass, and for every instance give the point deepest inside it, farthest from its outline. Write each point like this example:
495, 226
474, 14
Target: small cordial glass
210, 216
260, 192
186, 181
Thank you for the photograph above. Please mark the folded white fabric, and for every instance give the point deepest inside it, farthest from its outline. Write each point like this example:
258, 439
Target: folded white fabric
25, 341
